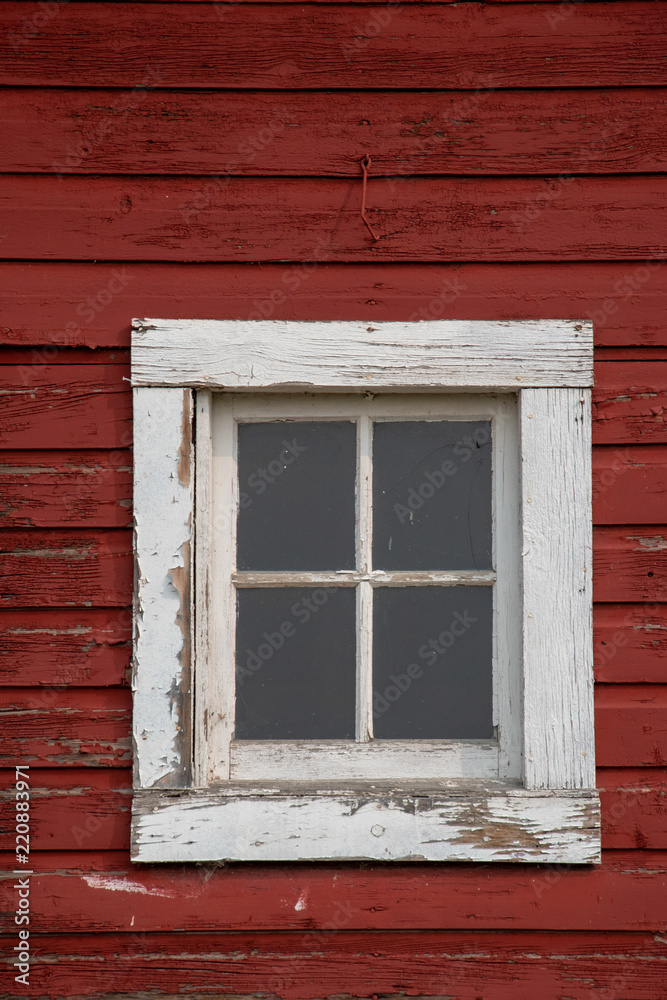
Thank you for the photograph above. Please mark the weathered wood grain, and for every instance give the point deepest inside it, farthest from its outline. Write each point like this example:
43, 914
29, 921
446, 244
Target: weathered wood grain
629, 484
163, 535
629, 402
630, 564
104, 892
631, 725
89, 809
58, 727
55, 646
630, 643
269, 822
75, 810
634, 808
43, 303
55, 489
253, 219
317, 135
45, 407
436, 354
65, 568
321, 46
243, 966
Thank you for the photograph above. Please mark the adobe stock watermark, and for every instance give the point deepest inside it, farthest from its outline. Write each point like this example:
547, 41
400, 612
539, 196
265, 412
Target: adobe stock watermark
429, 651
436, 479
302, 610
260, 480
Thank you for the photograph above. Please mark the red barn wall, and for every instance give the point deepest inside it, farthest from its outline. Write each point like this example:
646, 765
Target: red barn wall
203, 160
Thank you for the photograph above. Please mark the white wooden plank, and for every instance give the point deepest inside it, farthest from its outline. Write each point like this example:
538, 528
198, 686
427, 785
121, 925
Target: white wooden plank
508, 674
356, 355
163, 503
559, 745
205, 678
381, 760
437, 825
221, 677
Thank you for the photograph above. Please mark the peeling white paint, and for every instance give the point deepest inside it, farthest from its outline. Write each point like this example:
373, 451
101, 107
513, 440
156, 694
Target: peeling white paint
113, 884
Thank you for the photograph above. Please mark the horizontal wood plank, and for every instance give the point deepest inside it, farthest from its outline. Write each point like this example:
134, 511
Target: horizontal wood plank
55, 489
57, 646
630, 721
45, 407
316, 135
58, 727
98, 892
630, 643
339, 962
89, 809
82, 568
321, 46
631, 725
75, 810
629, 402
630, 564
437, 354
90, 304
253, 219
634, 808
629, 484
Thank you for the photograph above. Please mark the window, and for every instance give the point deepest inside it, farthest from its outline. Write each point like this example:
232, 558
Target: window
363, 592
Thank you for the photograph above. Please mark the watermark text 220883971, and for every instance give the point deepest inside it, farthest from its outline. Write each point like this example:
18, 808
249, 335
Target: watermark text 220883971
22, 885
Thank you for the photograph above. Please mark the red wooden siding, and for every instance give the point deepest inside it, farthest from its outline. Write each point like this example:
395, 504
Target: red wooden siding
194, 159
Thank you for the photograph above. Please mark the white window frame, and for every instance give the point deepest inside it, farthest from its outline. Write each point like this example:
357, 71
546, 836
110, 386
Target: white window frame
187, 806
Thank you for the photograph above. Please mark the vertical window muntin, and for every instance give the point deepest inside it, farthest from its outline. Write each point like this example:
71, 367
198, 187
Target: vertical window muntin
367, 757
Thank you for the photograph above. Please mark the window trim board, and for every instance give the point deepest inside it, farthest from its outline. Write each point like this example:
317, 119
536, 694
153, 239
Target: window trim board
560, 775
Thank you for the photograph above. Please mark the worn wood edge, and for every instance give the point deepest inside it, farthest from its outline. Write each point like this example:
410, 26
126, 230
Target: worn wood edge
559, 734
277, 354
268, 824
163, 506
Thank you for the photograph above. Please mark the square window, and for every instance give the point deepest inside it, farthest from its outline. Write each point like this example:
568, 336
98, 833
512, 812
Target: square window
363, 598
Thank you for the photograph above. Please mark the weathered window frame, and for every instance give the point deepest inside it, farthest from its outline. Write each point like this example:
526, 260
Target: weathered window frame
552, 813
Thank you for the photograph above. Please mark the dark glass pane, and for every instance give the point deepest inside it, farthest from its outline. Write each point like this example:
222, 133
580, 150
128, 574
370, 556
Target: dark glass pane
296, 495
296, 664
432, 666
432, 495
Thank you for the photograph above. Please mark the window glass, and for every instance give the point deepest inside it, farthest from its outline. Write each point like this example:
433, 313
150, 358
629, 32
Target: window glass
432, 495
296, 663
296, 495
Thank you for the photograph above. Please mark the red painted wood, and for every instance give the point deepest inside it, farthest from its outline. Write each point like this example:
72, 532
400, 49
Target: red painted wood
320, 47
254, 219
65, 568
70, 727
630, 643
630, 564
54, 489
630, 484
315, 135
71, 303
634, 807
57, 646
88, 810
79, 810
631, 725
105, 892
53, 406
629, 402
444, 964
63, 727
